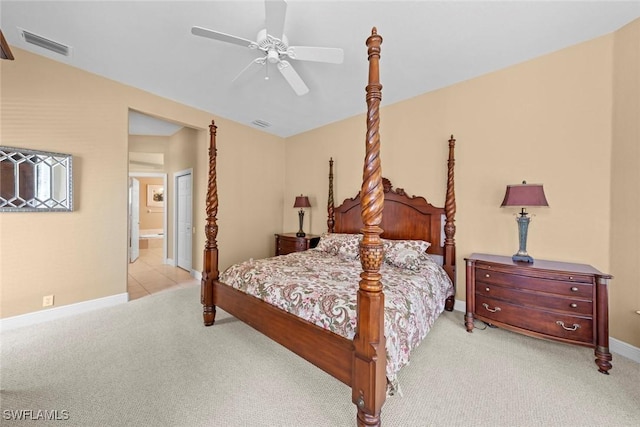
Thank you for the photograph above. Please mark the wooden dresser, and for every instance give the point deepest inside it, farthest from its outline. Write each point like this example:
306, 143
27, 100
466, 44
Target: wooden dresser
289, 242
556, 300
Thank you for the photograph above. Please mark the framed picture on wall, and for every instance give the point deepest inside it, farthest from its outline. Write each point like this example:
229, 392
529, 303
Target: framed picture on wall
155, 195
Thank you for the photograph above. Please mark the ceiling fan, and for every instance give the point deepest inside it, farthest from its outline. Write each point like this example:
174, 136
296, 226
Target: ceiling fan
274, 47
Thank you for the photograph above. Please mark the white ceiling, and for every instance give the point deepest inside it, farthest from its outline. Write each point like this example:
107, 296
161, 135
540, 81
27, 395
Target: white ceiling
142, 124
427, 45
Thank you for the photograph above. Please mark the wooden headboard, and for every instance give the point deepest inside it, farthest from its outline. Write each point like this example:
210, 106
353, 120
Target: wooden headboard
404, 216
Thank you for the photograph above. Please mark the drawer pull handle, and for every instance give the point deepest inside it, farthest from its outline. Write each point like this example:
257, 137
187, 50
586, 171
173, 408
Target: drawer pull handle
573, 305
485, 305
574, 289
561, 323
487, 275
487, 289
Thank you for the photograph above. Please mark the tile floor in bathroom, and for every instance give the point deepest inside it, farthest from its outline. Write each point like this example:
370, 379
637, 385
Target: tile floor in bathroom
148, 275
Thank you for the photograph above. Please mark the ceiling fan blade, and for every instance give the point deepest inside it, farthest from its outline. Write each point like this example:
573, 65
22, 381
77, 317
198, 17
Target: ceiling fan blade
293, 78
331, 55
275, 12
256, 63
217, 35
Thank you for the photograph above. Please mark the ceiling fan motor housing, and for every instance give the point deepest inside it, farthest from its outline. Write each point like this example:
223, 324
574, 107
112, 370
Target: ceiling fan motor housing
268, 43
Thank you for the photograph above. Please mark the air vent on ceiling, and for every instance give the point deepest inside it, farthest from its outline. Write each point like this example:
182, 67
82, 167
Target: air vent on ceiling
43, 42
261, 123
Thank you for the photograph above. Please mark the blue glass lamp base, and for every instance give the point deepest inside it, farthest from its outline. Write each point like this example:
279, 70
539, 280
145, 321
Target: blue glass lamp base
523, 227
522, 258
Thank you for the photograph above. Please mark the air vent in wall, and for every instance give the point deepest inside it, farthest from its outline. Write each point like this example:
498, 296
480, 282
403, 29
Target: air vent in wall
45, 43
261, 123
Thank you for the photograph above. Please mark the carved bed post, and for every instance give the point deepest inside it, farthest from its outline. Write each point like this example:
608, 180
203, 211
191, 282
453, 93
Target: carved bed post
331, 218
369, 379
210, 270
449, 226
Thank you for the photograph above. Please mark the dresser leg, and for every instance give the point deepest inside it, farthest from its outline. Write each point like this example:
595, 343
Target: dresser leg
603, 359
468, 321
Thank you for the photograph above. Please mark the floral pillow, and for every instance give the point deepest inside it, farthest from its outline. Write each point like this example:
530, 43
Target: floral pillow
344, 245
408, 254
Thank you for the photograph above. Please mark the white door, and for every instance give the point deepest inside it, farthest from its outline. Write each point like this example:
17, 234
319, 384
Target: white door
134, 219
183, 219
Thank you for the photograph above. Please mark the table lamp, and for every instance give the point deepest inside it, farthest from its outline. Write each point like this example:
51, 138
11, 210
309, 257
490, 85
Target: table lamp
301, 202
524, 195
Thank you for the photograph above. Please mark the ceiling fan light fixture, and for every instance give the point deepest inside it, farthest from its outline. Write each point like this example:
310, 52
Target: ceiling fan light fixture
273, 56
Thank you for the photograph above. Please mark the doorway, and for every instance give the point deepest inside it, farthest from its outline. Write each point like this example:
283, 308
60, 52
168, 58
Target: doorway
159, 148
149, 220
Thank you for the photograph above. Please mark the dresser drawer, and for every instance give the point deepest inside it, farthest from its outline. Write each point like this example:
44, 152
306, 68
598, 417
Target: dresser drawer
576, 328
572, 286
536, 299
287, 246
287, 243
562, 301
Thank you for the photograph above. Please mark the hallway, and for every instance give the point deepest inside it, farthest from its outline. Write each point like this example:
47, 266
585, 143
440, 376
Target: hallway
148, 275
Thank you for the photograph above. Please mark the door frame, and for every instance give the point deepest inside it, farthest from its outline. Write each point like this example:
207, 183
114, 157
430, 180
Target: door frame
134, 238
174, 198
164, 213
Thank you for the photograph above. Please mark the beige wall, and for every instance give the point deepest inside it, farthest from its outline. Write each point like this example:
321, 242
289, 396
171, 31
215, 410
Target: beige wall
181, 155
625, 187
548, 120
151, 146
567, 120
82, 255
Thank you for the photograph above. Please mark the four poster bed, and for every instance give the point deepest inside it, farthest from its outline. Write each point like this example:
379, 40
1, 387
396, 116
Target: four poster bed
293, 299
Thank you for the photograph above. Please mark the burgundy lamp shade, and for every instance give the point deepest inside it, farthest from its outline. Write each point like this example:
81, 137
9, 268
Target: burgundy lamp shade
302, 202
524, 195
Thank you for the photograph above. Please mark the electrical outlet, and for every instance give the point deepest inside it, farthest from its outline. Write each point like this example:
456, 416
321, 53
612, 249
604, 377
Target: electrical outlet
47, 301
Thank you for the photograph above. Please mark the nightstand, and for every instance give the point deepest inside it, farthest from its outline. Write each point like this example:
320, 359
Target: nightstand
289, 242
555, 300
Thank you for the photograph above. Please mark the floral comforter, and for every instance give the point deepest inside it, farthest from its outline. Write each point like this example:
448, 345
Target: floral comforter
322, 287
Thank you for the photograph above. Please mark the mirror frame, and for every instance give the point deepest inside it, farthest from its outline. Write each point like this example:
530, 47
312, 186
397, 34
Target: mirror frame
49, 158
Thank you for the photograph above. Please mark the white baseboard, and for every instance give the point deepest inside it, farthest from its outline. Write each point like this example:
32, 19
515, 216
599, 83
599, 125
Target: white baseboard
615, 346
460, 306
624, 349
196, 274
62, 311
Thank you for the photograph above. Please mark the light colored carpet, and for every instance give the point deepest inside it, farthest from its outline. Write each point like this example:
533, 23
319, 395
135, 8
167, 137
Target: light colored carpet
151, 362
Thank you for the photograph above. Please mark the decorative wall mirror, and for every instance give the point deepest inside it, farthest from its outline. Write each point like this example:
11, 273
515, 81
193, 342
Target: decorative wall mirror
35, 181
